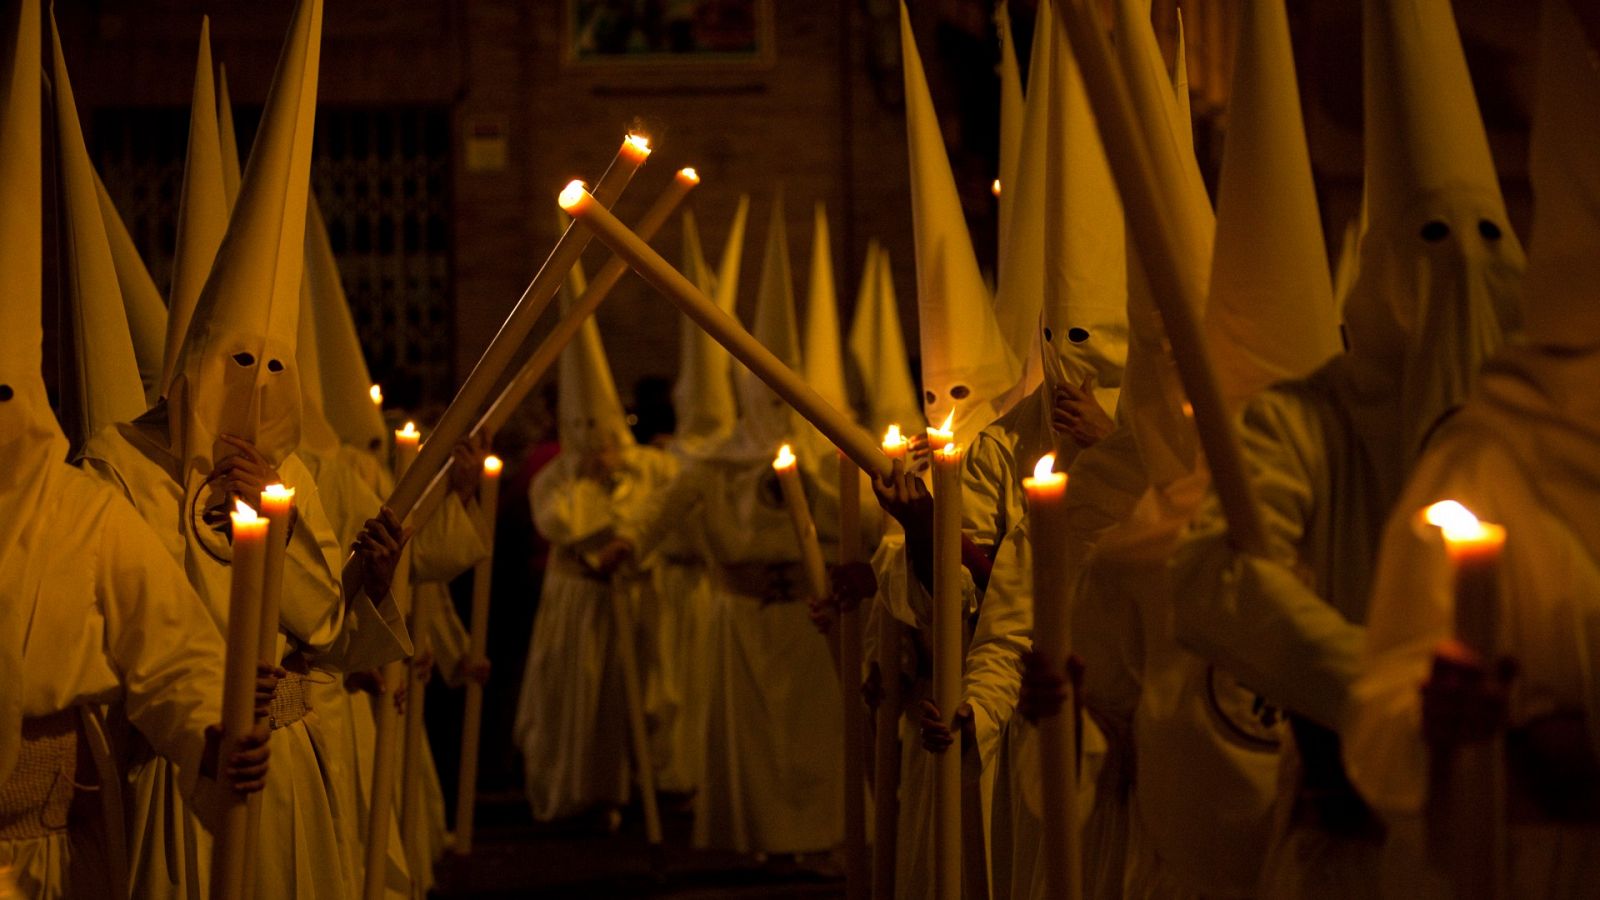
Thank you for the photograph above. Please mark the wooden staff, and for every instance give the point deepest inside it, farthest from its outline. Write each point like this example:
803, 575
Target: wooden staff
238, 695
886, 760
1143, 171
805, 535
948, 657
277, 504
414, 761
467, 406
784, 381
857, 870
472, 720
638, 735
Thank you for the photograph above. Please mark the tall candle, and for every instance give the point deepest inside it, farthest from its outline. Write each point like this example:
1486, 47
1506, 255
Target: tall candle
407, 444
1474, 548
857, 872
376, 393
894, 443
238, 693
472, 719
944, 434
805, 529
948, 658
1052, 641
277, 506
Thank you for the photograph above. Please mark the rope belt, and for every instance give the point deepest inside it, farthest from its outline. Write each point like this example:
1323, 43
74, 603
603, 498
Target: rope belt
37, 797
768, 582
288, 702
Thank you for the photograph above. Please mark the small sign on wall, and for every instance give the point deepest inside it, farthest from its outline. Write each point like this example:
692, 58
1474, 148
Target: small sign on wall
486, 143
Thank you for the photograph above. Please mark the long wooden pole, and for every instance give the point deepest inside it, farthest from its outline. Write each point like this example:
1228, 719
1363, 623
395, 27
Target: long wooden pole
1143, 171
857, 869
948, 658
638, 734
472, 720
465, 409
886, 760
414, 759
784, 381
277, 504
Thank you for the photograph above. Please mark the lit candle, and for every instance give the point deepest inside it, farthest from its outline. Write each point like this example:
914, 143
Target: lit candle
1474, 549
1052, 641
724, 329
948, 657
238, 692
945, 433
894, 443
407, 444
805, 529
376, 393
277, 507
995, 187
472, 720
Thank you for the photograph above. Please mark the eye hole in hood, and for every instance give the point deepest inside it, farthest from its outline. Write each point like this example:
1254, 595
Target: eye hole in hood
6, 393
244, 359
1077, 335
960, 392
274, 365
1489, 230
1435, 231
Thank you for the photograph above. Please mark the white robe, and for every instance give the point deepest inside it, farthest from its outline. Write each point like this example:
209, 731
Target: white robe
113, 622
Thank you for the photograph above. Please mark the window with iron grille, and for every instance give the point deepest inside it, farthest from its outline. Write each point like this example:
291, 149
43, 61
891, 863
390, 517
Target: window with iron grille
382, 176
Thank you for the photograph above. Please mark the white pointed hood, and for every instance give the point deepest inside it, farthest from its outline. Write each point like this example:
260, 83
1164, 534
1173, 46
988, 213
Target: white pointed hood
589, 414
202, 210
1561, 308
104, 384
1271, 303
318, 439
141, 300
823, 358
227, 139
1084, 325
238, 372
968, 369
765, 420
346, 382
703, 394
1011, 116
31, 444
1183, 113
878, 348
1020, 295
1440, 271
1149, 83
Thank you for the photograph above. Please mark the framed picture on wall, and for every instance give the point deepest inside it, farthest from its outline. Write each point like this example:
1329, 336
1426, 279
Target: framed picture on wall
673, 33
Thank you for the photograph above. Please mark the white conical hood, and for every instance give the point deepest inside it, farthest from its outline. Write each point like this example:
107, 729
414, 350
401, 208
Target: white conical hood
1564, 264
589, 415
317, 435
141, 300
238, 372
228, 139
346, 382
1020, 296
1011, 115
1271, 303
1440, 271
878, 347
31, 444
104, 386
1085, 315
765, 421
967, 367
823, 357
1183, 113
202, 210
703, 394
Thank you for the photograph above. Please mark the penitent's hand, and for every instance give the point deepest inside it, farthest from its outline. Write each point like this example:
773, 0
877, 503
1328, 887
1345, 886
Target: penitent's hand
1463, 702
612, 556
466, 468
267, 678
377, 550
936, 735
244, 474
1076, 414
904, 496
246, 769
474, 669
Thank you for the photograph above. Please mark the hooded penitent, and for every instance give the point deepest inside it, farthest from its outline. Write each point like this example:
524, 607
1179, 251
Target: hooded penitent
589, 415
1084, 325
202, 211
1011, 115
141, 300
823, 364
104, 372
967, 368
346, 383
227, 139
878, 348
1274, 310
765, 421
1440, 269
703, 393
31, 443
238, 372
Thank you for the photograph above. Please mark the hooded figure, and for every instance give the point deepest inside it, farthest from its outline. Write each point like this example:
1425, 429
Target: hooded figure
1330, 452
104, 374
571, 718
1011, 127
146, 312
227, 139
202, 211
703, 393
823, 365
1521, 453
93, 612
235, 393
346, 382
878, 349
967, 368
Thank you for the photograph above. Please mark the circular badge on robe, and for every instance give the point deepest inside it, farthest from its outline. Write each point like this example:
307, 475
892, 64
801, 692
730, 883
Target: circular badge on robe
1243, 714
210, 520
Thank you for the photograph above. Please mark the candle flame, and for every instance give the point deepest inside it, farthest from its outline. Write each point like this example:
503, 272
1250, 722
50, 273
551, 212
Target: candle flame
278, 492
572, 195
687, 173
995, 188
948, 422
410, 430
376, 393
243, 512
1045, 467
785, 458
893, 437
639, 143
1454, 521
949, 449
492, 465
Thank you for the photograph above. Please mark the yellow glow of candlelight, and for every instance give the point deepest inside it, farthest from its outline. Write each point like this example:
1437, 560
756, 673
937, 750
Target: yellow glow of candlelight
409, 432
492, 465
785, 458
1045, 467
893, 437
1045, 477
277, 492
242, 513
638, 143
687, 173
949, 451
376, 393
948, 422
572, 196
995, 188
1459, 527
943, 432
